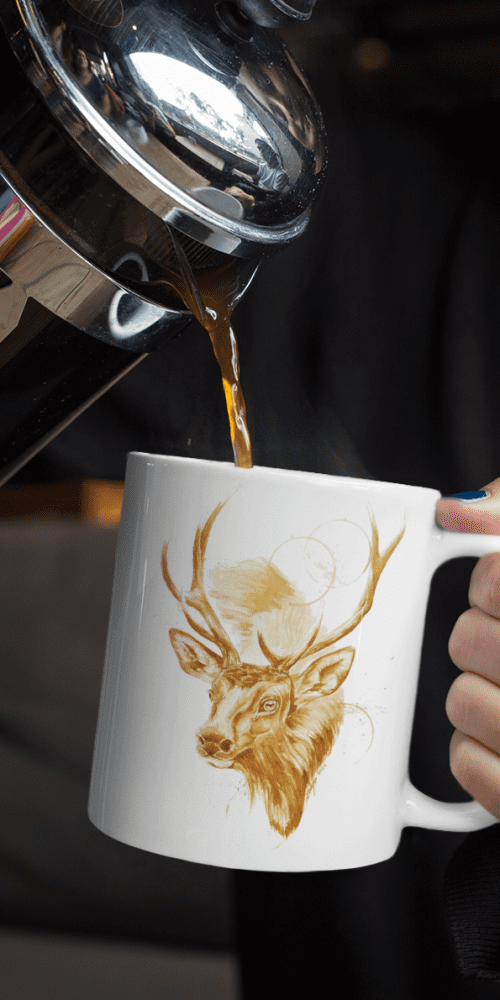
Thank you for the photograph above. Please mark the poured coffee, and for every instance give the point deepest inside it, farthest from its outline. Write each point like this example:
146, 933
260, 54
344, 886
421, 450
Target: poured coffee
217, 323
212, 302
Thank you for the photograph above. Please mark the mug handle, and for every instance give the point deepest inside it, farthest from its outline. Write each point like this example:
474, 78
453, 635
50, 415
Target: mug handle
416, 808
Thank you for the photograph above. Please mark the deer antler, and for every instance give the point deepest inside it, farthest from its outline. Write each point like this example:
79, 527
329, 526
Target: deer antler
197, 598
377, 563
281, 662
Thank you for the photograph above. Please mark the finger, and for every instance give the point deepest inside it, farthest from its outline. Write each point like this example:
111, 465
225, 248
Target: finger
474, 644
481, 517
473, 707
477, 770
484, 588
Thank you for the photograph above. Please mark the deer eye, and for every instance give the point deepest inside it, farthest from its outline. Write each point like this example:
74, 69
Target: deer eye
269, 705
210, 695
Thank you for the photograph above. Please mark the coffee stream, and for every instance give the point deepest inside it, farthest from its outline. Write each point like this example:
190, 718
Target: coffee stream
213, 306
217, 323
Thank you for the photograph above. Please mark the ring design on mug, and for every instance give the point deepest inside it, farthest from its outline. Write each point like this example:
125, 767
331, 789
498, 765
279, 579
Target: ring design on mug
272, 723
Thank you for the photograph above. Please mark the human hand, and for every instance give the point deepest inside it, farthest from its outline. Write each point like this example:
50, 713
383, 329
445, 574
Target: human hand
473, 702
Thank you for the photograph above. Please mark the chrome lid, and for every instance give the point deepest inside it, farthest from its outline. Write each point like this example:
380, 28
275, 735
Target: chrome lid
193, 110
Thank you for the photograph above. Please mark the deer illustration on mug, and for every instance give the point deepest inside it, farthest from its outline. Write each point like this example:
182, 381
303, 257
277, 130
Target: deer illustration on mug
276, 723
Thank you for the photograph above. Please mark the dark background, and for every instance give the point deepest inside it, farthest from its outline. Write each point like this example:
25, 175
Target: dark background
369, 349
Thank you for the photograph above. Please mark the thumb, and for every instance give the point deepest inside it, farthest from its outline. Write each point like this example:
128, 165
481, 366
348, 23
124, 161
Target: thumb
464, 512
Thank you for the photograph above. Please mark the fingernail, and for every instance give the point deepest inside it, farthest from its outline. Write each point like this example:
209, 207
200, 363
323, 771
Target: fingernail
471, 496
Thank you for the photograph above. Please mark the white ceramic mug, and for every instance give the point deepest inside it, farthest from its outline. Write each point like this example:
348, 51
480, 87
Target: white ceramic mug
262, 665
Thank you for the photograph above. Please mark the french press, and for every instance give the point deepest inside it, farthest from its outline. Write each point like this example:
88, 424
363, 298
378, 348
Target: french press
143, 144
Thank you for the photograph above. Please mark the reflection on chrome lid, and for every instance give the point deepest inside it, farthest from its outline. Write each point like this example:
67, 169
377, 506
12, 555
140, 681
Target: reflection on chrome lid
194, 123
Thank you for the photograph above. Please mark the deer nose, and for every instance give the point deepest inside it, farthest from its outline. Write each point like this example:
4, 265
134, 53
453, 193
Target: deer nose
212, 743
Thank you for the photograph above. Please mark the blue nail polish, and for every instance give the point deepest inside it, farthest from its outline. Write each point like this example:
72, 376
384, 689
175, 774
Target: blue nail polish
470, 497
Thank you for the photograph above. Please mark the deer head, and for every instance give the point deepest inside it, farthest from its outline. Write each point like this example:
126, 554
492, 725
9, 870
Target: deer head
250, 703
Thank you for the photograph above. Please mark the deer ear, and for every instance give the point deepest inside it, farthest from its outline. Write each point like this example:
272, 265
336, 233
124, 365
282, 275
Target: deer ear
194, 657
324, 676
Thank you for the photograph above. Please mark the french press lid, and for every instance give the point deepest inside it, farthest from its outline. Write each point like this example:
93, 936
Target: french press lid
197, 112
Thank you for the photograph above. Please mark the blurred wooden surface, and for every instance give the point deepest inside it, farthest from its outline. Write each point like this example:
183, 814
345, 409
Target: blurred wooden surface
77, 967
97, 501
